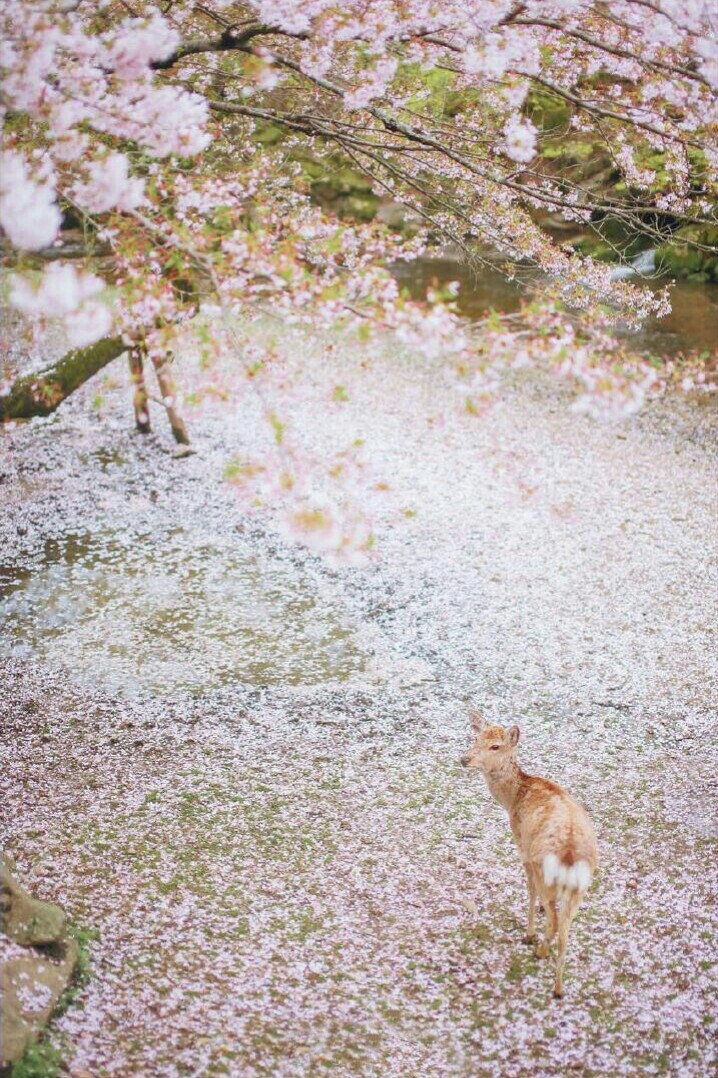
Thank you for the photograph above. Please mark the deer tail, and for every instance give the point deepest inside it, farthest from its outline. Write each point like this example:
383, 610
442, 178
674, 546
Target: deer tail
575, 876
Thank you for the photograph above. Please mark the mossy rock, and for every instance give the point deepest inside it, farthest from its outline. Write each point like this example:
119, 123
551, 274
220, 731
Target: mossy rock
360, 207
269, 135
596, 248
342, 181
681, 259
546, 110
38, 966
32, 985
458, 101
398, 217
346, 192
614, 230
612, 241
574, 151
27, 920
312, 168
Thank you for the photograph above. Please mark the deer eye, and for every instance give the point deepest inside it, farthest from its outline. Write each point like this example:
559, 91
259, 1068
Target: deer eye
494, 748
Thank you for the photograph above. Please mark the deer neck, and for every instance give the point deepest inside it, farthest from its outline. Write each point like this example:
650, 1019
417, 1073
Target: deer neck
504, 781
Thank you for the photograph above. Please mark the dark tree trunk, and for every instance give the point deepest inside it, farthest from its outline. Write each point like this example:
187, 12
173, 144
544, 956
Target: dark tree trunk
140, 399
41, 393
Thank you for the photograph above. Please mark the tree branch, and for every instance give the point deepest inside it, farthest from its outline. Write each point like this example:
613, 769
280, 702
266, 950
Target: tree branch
228, 41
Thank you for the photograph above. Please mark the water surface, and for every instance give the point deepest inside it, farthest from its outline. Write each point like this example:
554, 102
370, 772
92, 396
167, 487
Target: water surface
169, 612
691, 326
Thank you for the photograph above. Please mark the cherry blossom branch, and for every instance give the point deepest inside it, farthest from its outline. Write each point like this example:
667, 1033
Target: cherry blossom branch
603, 46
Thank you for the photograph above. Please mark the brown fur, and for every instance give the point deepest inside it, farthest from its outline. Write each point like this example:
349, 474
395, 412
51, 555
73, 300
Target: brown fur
546, 823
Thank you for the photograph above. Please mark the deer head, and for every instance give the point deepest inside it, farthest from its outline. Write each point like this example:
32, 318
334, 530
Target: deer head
493, 745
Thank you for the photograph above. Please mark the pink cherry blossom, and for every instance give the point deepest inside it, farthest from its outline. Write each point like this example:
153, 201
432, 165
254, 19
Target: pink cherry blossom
60, 290
29, 214
151, 127
520, 140
373, 85
109, 186
140, 41
89, 322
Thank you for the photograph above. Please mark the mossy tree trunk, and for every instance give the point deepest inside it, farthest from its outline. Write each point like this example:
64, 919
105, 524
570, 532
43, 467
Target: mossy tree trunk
40, 393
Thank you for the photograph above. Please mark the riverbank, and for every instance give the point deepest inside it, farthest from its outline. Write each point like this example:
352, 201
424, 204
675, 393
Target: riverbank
289, 873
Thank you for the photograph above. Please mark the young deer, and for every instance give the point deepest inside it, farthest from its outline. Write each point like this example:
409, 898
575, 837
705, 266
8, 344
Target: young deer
552, 831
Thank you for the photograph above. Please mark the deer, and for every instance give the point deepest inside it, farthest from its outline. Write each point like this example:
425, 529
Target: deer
553, 833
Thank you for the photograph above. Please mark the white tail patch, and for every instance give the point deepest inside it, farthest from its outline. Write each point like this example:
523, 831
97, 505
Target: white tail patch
569, 877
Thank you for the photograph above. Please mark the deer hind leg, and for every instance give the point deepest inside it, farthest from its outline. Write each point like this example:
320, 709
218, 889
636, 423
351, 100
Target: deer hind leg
530, 936
568, 908
548, 901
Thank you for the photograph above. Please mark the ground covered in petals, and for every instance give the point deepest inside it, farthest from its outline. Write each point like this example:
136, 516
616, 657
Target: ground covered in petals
239, 766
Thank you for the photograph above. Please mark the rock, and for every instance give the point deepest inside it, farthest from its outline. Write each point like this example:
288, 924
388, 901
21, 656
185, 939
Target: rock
470, 906
38, 962
398, 217
549, 112
183, 451
31, 985
682, 259
361, 207
25, 919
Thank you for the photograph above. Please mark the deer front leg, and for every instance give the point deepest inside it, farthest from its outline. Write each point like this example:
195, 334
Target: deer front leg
530, 936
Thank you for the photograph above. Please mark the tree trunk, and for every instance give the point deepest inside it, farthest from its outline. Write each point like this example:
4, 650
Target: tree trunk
41, 393
140, 399
167, 390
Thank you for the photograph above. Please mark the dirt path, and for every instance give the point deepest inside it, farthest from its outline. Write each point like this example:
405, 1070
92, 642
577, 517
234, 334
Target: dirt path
293, 877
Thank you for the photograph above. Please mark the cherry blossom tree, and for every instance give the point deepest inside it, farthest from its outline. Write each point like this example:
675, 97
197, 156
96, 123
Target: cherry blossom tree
142, 125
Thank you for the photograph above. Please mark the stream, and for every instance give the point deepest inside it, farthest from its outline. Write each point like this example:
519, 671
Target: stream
692, 325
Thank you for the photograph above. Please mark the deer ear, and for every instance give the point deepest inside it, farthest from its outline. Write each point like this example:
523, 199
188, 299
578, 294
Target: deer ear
514, 735
476, 719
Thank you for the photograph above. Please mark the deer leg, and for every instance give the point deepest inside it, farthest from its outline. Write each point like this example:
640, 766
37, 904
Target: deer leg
530, 936
543, 948
567, 912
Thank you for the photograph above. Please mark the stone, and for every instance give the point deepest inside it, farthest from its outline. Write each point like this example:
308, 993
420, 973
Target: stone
183, 451
398, 217
27, 920
38, 962
682, 259
32, 985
